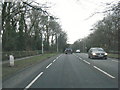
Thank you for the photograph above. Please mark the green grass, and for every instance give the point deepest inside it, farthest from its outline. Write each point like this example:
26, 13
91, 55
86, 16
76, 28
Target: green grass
19, 65
113, 55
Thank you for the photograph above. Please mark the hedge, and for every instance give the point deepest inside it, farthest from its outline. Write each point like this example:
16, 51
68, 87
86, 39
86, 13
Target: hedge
19, 54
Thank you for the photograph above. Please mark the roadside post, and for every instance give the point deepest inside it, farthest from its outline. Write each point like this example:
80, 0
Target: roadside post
11, 59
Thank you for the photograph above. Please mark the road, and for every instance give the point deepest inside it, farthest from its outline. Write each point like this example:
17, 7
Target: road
67, 71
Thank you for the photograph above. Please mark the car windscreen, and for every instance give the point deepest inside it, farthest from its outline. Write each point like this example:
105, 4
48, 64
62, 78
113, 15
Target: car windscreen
97, 49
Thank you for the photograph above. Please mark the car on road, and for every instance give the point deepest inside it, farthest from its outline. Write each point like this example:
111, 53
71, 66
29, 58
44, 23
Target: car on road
78, 51
68, 51
97, 53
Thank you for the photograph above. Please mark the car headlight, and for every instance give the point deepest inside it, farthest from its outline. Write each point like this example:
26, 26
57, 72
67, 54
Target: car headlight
106, 54
93, 53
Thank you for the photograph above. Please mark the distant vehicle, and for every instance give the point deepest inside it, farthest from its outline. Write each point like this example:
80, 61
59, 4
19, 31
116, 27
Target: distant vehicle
78, 51
68, 51
97, 53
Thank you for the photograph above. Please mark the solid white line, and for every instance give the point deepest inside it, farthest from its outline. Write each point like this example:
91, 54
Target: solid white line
28, 86
54, 60
86, 61
49, 65
115, 60
104, 72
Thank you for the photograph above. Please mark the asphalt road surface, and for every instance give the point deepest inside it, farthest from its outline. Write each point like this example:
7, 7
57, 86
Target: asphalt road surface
67, 71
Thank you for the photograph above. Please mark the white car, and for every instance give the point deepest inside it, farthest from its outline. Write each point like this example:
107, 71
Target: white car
77, 51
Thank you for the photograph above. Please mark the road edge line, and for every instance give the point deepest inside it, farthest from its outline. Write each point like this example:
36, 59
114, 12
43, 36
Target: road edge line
28, 86
49, 65
103, 72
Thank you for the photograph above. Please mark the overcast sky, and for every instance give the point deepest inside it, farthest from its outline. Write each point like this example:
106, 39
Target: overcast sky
73, 15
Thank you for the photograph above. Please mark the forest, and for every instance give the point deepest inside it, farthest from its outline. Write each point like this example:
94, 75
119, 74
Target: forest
105, 33
26, 26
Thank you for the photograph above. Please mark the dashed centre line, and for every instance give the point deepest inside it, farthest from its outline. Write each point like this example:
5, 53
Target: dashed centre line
54, 60
57, 58
86, 61
31, 83
49, 65
80, 58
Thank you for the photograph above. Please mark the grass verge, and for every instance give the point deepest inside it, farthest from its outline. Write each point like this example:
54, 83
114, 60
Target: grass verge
19, 65
113, 55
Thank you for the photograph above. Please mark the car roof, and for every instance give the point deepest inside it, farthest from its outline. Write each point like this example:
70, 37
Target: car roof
96, 48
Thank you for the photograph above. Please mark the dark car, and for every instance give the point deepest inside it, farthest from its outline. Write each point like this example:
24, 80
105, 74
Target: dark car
68, 51
97, 53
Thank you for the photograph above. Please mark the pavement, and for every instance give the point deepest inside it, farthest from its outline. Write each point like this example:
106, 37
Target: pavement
67, 71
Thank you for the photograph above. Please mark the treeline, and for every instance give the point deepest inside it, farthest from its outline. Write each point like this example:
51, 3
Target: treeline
104, 33
26, 24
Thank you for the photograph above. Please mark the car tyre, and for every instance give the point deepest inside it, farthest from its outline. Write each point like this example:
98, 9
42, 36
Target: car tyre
88, 56
105, 57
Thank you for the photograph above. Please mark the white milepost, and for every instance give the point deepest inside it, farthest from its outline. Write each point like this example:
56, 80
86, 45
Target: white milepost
11, 58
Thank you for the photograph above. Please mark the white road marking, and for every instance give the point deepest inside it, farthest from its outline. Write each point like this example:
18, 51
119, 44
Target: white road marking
59, 56
80, 58
74, 55
103, 72
49, 65
54, 60
86, 61
28, 86
115, 60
